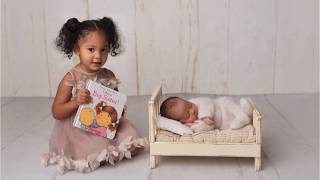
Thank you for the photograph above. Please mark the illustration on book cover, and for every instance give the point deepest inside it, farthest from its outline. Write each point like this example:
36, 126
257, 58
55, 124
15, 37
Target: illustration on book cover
102, 115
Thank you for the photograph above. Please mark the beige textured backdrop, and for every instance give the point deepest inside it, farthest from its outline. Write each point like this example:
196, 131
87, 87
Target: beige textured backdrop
201, 46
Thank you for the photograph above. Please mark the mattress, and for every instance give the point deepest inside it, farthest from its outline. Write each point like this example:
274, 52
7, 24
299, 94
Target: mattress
227, 136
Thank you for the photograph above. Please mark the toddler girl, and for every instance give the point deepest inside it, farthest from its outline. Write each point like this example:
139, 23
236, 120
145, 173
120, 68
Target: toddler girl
72, 148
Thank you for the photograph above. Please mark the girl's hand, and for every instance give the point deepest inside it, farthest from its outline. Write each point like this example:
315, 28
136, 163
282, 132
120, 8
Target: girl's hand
125, 111
83, 97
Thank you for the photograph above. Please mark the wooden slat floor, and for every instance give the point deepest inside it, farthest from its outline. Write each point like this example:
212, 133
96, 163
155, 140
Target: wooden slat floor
290, 142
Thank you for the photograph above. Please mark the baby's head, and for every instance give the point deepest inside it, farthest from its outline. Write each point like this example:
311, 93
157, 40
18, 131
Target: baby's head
179, 109
73, 33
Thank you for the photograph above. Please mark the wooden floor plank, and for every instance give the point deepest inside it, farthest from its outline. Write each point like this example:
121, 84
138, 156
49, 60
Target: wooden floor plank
301, 113
21, 115
288, 150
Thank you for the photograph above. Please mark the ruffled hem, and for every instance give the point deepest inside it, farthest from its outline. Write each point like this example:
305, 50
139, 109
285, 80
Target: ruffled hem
110, 155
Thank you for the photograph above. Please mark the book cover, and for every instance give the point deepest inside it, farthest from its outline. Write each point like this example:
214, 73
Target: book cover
102, 115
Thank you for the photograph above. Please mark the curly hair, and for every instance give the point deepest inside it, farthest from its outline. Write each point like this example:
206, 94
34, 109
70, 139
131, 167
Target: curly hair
73, 30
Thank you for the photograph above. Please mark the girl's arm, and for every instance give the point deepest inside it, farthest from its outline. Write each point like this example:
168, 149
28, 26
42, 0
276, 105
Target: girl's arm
63, 107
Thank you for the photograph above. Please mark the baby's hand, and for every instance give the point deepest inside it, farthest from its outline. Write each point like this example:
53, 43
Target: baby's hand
83, 97
189, 124
208, 120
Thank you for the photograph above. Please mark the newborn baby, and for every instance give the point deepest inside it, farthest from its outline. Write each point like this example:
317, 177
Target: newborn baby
203, 114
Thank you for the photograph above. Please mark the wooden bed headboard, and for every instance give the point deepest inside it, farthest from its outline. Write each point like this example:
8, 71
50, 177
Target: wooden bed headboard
154, 111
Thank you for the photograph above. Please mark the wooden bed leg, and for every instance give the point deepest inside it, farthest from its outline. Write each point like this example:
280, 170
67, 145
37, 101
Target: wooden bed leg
152, 161
257, 163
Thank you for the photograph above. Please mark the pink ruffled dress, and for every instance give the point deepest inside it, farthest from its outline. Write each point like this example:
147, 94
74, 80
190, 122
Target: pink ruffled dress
71, 148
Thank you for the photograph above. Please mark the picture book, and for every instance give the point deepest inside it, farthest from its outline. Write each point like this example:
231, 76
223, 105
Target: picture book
102, 115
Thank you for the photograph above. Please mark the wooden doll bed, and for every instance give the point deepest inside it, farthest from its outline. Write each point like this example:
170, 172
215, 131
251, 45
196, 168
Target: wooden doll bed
161, 148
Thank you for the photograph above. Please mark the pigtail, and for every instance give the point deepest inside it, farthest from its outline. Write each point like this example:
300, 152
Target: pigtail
68, 36
113, 36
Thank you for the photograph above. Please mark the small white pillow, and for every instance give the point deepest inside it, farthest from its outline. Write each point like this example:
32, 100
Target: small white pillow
173, 126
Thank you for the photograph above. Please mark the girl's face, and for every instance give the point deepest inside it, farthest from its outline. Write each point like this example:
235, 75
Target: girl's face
93, 51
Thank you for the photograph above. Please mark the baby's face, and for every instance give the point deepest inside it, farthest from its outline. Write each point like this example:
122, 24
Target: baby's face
185, 111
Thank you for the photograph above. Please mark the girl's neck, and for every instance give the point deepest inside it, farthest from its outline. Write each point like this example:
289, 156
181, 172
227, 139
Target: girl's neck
81, 69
